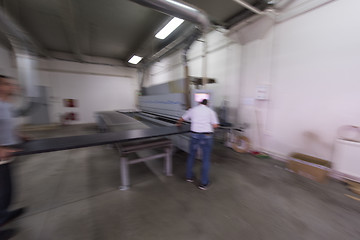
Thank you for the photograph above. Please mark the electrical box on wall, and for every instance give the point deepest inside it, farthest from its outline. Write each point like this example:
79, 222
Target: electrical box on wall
262, 92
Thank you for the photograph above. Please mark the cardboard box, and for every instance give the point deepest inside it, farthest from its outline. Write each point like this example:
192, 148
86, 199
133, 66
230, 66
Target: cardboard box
353, 186
304, 165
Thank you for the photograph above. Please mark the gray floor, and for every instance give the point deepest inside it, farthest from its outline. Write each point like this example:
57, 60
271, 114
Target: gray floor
74, 195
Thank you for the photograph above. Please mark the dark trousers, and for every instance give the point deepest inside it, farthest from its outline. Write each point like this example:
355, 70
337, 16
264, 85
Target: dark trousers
5, 187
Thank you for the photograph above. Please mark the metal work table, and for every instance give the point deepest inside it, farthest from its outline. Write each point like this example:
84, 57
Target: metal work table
111, 121
132, 147
65, 143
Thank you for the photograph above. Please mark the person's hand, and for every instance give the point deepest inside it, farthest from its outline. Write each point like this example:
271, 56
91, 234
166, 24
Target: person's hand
25, 138
5, 153
179, 122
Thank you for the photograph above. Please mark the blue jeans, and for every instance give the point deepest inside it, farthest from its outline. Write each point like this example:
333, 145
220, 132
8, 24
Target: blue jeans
204, 141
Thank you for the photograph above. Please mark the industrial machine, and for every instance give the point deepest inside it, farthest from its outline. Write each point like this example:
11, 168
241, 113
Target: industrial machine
161, 105
159, 108
164, 104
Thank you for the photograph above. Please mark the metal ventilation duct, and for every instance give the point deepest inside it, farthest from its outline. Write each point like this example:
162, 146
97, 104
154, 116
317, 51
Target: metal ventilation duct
26, 52
187, 12
181, 10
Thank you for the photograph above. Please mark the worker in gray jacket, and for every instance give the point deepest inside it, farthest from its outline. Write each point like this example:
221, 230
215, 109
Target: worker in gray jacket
8, 136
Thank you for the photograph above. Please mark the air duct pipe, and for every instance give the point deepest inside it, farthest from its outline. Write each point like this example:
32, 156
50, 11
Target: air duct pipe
184, 11
25, 50
179, 9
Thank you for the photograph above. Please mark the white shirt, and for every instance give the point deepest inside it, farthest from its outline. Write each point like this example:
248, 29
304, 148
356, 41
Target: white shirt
202, 118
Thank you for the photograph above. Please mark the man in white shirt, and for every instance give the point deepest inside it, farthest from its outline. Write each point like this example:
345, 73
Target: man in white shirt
203, 121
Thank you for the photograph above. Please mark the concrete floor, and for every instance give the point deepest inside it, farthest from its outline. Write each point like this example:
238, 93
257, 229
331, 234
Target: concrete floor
74, 195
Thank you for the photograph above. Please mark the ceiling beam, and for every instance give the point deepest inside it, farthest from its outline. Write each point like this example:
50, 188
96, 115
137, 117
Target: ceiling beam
245, 13
249, 7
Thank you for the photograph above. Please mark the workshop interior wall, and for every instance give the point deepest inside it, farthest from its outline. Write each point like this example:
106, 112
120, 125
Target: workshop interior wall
294, 83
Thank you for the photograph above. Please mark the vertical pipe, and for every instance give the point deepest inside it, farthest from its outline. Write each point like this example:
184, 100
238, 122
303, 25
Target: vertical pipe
25, 51
26, 66
187, 79
187, 12
204, 63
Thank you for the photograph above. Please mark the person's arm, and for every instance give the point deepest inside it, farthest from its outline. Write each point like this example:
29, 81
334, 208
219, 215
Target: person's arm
23, 137
214, 120
179, 122
185, 117
6, 152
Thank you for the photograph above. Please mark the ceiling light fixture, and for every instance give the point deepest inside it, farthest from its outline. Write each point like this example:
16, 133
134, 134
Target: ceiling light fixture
135, 59
169, 28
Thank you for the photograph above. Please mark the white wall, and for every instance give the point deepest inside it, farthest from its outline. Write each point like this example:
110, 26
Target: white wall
96, 87
168, 69
314, 77
309, 62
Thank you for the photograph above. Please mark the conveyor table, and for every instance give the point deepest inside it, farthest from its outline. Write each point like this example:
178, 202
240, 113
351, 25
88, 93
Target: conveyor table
72, 142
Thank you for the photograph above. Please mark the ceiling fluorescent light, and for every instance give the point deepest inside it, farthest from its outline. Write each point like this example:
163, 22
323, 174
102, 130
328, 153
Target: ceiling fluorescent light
135, 59
169, 28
